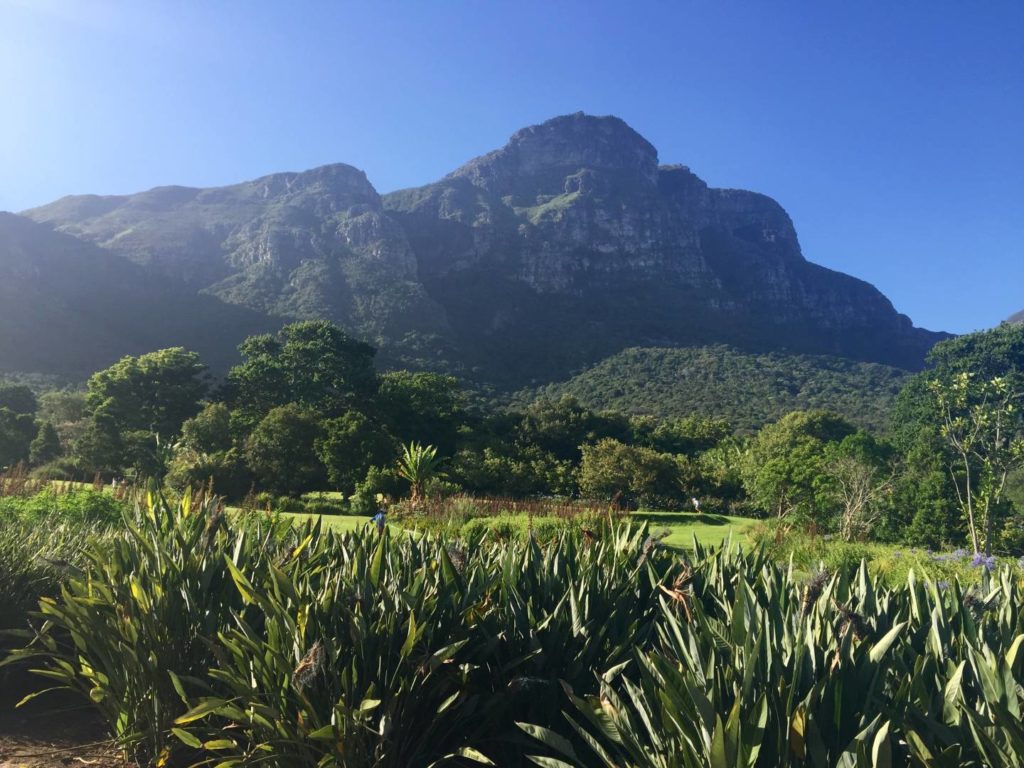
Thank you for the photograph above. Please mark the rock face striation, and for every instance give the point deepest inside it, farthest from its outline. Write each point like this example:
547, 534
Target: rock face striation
569, 244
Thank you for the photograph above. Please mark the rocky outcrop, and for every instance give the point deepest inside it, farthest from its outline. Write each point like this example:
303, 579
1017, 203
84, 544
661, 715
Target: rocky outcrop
295, 245
566, 245
572, 242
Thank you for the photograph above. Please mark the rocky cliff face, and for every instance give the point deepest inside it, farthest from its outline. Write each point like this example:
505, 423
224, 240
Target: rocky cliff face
568, 244
572, 242
295, 245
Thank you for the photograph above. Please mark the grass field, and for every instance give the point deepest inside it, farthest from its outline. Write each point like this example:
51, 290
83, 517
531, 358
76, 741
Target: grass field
710, 530
338, 523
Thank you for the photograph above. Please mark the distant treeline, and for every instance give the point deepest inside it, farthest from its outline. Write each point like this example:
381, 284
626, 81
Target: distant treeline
306, 411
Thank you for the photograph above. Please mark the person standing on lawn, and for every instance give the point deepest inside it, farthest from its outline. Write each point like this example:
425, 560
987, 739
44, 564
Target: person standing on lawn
381, 518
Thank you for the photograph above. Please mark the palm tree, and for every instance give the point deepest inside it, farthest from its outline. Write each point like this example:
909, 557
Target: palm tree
418, 464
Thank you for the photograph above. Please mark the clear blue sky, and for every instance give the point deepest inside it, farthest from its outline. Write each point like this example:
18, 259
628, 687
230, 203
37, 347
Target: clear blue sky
892, 132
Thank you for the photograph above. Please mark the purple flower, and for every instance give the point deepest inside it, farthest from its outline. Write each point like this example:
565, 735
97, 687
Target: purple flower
960, 553
983, 561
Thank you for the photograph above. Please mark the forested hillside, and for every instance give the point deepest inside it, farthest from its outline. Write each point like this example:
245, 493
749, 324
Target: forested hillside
748, 390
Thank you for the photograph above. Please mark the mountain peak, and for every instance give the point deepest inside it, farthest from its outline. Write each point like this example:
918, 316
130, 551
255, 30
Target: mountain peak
563, 146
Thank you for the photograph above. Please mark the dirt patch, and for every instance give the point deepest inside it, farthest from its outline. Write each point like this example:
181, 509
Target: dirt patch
53, 731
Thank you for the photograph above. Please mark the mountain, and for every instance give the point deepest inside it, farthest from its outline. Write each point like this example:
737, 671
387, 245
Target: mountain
1017, 318
69, 308
567, 245
749, 390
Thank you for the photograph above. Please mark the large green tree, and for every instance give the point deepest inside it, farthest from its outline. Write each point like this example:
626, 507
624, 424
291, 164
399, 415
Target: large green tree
18, 398
612, 470
945, 409
983, 424
46, 445
314, 364
350, 444
561, 426
282, 450
784, 469
422, 407
16, 433
209, 431
154, 392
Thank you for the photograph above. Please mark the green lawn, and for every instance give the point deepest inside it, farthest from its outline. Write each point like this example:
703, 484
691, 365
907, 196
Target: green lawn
710, 530
338, 523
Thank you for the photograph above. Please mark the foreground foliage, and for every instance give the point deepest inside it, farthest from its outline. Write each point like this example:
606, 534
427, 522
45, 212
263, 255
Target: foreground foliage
240, 643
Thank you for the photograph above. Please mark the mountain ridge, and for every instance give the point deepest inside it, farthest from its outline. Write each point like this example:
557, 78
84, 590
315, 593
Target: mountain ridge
566, 245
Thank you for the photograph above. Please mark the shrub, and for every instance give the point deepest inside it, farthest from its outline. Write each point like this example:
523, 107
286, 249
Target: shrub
289, 504
326, 507
58, 469
83, 506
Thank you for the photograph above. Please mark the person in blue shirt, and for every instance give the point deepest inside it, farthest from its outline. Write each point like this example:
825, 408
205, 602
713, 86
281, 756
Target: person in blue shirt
381, 518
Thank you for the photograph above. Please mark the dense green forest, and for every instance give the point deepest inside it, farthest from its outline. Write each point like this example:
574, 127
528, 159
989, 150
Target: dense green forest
306, 411
747, 390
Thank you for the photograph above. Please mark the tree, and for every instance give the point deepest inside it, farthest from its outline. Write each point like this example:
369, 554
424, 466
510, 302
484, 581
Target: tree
46, 447
225, 471
523, 471
18, 398
689, 436
281, 450
313, 363
61, 407
562, 426
99, 447
613, 470
783, 470
984, 428
418, 464
154, 392
859, 482
986, 355
422, 407
16, 433
209, 431
350, 445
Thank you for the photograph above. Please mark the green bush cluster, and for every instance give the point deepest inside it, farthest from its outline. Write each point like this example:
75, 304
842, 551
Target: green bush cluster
81, 506
892, 563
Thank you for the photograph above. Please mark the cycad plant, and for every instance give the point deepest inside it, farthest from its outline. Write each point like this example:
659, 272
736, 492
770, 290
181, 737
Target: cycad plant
418, 464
